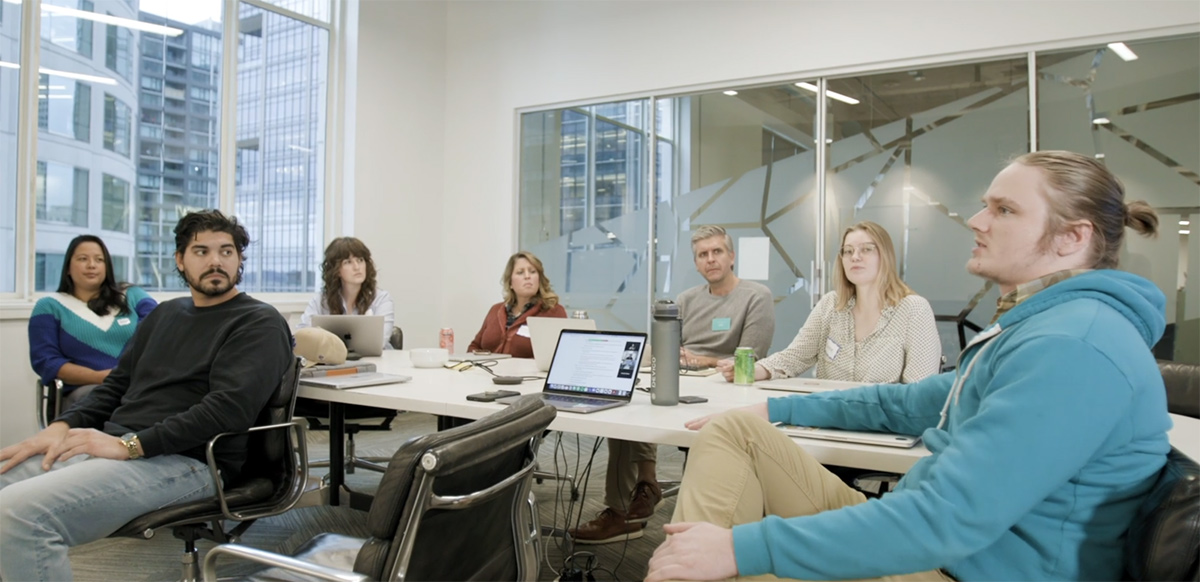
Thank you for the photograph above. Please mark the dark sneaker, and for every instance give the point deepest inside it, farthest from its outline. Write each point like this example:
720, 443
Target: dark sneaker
608, 527
647, 498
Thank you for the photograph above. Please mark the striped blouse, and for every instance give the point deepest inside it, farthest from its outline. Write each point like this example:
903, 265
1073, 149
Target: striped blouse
904, 346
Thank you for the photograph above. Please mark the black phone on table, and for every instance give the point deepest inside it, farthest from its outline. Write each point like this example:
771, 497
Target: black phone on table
692, 399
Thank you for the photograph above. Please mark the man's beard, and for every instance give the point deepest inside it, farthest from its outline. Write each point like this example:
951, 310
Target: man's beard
210, 288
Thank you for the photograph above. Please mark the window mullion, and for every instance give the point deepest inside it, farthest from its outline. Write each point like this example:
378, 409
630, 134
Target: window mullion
27, 130
227, 152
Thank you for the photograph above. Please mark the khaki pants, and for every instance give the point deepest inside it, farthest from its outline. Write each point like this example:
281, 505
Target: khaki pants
742, 468
621, 478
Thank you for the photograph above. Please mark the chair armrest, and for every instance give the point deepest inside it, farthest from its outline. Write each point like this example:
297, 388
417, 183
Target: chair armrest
52, 394
297, 427
278, 561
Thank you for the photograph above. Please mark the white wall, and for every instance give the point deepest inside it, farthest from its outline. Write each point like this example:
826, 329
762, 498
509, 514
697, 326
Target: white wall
398, 166
502, 56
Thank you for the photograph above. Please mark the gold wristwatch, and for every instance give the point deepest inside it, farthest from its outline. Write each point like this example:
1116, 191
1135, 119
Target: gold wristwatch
132, 444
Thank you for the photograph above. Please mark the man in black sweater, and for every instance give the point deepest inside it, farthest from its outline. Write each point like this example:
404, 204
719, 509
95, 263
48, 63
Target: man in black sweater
196, 367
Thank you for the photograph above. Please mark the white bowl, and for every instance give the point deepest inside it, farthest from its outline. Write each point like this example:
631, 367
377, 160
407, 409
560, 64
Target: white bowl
428, 357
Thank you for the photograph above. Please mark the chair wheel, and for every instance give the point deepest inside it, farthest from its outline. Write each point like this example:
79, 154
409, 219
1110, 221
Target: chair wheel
574, 493
538, 481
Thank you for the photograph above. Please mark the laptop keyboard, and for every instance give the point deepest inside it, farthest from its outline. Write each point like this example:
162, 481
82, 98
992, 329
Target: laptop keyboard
573, 399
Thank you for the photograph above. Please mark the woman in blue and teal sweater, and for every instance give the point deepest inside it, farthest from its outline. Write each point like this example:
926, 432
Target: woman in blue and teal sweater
77, 334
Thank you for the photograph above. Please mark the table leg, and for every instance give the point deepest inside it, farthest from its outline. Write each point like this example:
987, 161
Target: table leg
337, 451
448, 422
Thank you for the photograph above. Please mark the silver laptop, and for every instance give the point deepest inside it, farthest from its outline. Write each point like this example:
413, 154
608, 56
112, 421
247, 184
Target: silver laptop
807, 385
900, 441
360, 380
363, 334
591, 370
543, 334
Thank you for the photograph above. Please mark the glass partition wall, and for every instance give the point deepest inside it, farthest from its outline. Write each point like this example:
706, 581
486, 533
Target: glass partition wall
913, 150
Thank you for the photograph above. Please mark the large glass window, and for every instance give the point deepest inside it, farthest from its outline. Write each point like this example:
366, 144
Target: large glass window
745, 161
115, 196
282, 70
912, 150
168, 145
47, 270
67, 31
915, 155
62, 194
10, 55
1139, 113
159, 93
118, 50
65, 107
116, 125
584, 207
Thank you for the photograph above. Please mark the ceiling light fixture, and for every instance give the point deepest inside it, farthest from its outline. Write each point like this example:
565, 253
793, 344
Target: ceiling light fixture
730, 92
828, 93
1184, 222
79, 76
1099, 156
114, 20
1185, 232
1101, 121
65, 74
1122, 51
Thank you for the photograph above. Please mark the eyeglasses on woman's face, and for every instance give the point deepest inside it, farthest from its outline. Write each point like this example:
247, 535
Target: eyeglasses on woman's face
865, 250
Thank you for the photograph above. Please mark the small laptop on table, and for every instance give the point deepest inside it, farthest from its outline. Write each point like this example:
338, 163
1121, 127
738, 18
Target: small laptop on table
543, 335
363, 334
807, 385
591, 370
883, 439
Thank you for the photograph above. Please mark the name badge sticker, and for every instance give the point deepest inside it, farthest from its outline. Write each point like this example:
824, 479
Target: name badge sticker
721, 324
124, 321
831, 348
523, 331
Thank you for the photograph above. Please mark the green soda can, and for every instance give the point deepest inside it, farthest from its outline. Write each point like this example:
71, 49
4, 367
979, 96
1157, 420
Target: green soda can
743, 366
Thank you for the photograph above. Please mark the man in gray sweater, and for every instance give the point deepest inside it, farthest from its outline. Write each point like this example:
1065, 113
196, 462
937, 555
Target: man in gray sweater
719, 316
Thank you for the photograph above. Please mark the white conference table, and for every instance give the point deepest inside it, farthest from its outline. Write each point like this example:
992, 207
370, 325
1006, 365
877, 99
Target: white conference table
443, 392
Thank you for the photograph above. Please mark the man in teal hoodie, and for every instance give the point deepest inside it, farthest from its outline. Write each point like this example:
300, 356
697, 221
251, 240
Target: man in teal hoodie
1043, 442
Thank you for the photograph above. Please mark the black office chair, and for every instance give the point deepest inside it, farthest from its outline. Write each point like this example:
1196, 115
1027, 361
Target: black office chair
49, 402
1163, 542
1182, 382
453, 505
273, 478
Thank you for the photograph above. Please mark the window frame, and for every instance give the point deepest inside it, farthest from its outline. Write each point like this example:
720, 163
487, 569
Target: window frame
19, 301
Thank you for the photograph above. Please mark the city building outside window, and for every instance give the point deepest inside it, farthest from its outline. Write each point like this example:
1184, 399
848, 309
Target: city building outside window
116, 125
62, 194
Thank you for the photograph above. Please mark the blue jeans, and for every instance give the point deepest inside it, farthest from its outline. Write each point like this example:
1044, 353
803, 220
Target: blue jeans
42, 513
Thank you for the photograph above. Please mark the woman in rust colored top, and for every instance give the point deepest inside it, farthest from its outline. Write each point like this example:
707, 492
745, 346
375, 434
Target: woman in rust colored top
527, 293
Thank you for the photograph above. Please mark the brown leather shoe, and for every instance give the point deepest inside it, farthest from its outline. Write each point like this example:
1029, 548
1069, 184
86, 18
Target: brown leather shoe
647, 498
608, 527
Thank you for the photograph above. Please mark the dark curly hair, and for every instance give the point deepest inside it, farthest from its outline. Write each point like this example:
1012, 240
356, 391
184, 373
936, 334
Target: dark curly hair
340, 249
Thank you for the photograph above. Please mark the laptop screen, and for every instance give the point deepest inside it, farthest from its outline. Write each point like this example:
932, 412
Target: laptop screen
595, 363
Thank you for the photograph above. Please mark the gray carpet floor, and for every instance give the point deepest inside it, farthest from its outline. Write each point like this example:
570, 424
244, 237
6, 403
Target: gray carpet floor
158, 558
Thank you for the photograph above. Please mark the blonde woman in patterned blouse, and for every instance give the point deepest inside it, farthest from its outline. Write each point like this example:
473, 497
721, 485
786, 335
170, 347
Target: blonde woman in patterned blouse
873, 328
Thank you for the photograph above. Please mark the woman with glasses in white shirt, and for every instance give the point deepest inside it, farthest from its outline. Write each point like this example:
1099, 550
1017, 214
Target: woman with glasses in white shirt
872, 328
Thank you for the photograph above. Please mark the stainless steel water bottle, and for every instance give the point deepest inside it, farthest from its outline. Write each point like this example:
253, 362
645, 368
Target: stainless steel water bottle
664, 354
